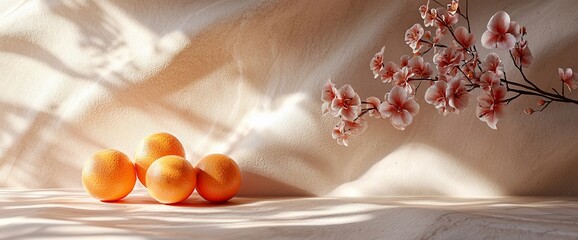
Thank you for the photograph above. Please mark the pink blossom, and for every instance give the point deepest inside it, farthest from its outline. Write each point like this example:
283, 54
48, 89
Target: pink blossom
376, 64
400, 107
428, 15
419, 68
373, 106
447, 19
430, 18
388, 71
346, 103
345, 130
471, 69
328, 93
515, 30
472, 74
436, 95
341, 137
489, 81
448, 58
401, 78
522, 54
457, 94
464, 38
355, 127
413, 35
568, 78
423, 9
491, 106
453, 7
501, 32
493, 64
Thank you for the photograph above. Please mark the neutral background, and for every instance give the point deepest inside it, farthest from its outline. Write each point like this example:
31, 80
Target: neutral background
244, 78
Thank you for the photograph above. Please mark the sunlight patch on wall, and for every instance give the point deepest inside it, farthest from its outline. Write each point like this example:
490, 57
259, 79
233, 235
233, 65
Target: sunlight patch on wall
264, 117
403, 172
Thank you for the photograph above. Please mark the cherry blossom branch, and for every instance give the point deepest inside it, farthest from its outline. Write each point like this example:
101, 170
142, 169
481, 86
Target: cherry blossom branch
432, 44
539, 92
460, 71
508, 100
421, 79
467, 19
364, 111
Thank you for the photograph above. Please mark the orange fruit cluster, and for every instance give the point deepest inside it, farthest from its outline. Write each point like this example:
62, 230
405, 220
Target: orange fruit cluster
161, 167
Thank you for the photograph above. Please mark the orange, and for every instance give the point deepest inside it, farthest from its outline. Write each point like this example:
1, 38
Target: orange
152, 148
109, 175
218, 178
171, 179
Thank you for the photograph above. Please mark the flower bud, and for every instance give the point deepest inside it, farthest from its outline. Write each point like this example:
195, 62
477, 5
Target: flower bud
541, 102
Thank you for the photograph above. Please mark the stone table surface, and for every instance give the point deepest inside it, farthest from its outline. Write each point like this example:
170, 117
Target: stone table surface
72, 214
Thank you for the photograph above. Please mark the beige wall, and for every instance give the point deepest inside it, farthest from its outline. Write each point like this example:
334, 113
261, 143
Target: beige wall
244, 78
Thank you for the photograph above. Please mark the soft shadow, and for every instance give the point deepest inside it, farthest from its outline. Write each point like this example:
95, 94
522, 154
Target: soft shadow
258, 185
19, 159
193, 201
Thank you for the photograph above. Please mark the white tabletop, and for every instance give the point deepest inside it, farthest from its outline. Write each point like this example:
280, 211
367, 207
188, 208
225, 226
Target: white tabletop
72, 214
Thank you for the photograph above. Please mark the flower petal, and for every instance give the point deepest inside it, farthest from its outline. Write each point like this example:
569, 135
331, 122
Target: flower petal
376, 64
346, 91
568, 72
489, 39
386, 109
411, 106
328, 91
349, 113
336, 104
325, 108
397, 96
435, 94
373, 102
355, 100
492, 121
401, 120
514, 29
499, 23
423, 11
506, 42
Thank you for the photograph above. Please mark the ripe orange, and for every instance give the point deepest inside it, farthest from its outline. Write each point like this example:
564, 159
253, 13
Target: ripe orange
171, 179
109, 175
218, 178
152, 148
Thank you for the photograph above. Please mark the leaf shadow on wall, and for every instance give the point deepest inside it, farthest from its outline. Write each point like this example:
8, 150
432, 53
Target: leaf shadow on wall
29, 154
226, 43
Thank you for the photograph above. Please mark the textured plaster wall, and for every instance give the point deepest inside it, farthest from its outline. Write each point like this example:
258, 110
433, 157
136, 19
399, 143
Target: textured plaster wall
244, 77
